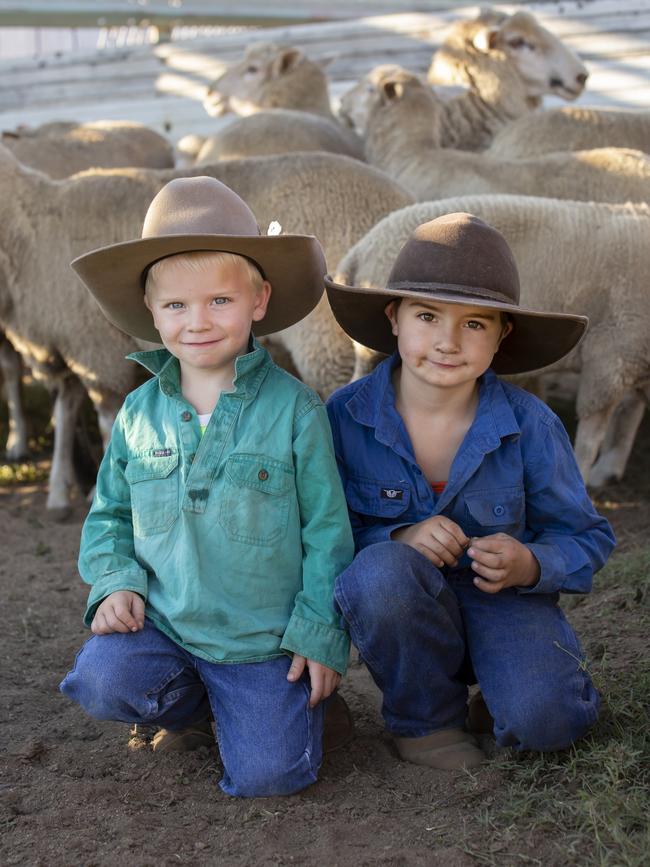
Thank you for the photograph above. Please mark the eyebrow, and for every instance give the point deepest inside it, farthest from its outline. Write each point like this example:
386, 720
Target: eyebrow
434, 309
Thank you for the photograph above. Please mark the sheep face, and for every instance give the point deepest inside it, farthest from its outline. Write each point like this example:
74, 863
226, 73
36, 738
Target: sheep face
539, 59
269, 76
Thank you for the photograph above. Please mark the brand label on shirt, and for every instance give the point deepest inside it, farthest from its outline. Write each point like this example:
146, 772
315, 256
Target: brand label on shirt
162, 453
392, 493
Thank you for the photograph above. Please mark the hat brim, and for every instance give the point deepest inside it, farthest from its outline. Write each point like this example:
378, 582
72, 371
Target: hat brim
294, 265
537, 340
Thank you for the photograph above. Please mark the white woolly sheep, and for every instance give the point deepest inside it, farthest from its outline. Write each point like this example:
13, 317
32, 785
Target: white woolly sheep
573, 257
398, 117
52, 320
572, 128
11, 366
508, 62
279, 131
282, 97
60, 149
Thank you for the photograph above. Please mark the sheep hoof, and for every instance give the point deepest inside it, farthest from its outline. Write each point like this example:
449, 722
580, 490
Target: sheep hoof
60, 514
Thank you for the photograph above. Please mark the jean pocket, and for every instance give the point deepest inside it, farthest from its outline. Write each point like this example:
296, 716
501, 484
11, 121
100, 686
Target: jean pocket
498, 510
154, 484
257, 499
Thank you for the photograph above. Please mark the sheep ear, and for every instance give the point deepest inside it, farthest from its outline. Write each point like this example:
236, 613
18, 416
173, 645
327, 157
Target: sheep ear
392, 90
286, 61
486, 39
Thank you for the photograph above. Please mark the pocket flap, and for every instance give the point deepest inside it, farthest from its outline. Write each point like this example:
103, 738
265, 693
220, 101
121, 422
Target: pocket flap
152, 465
260, 472
491, 508
381, 498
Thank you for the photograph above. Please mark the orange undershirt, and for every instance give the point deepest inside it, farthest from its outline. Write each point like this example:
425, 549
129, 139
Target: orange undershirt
438, 487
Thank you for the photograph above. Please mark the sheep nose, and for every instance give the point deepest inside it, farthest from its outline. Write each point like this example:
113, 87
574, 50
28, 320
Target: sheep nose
582, 78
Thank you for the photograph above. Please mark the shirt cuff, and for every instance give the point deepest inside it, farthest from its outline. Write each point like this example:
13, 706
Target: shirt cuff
325, 644
134, 580
551, 569
379, 533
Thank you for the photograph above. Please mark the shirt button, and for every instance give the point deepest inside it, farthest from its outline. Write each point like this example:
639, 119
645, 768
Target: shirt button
186, 416
498, 511
262, 475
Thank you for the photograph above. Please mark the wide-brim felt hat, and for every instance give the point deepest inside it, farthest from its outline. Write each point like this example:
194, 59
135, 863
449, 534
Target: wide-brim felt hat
202, 214
458, 259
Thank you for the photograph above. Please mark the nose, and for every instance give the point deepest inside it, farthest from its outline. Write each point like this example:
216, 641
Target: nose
199, 319
582, 78
446, 338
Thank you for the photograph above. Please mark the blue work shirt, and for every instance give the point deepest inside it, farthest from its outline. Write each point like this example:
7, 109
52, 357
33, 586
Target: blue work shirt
514, 472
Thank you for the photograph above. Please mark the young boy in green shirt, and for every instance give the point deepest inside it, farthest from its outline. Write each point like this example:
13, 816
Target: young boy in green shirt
219, 522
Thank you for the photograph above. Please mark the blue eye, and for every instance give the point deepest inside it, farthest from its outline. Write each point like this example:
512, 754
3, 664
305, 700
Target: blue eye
221, 300
175, 305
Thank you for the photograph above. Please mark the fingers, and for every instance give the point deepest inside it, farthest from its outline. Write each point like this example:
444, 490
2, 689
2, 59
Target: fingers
317, 678
137, 610
487, 586
297, 667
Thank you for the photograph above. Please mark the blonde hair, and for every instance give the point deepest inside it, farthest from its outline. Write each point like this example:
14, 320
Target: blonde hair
201, 261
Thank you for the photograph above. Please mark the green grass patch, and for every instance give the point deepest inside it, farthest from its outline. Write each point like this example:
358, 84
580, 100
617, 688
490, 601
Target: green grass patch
590, 803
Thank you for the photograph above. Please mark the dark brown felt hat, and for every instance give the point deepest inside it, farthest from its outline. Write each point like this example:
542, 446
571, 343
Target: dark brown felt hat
191, 214
458, 259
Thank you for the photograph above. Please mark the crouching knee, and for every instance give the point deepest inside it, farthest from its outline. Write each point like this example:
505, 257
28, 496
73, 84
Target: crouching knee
269, 776
384, 582
548, 723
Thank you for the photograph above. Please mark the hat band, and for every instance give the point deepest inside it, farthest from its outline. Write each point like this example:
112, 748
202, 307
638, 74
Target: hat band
455, 288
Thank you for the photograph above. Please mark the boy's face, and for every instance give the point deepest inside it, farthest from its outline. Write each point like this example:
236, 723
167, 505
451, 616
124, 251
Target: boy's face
445, 345
205, 317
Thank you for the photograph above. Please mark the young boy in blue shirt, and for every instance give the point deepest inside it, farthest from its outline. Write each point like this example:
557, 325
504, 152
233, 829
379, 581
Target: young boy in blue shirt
467, 506
219, 522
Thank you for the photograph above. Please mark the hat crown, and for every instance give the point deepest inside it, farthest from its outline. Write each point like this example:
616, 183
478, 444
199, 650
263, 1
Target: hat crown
198, 206
461, 254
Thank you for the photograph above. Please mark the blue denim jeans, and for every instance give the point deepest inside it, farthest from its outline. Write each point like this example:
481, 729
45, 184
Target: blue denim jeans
424, 637
269, 738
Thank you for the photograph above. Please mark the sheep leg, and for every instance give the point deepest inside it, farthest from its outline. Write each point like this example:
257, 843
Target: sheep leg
12, 371
62, 476
619, 440
589, 438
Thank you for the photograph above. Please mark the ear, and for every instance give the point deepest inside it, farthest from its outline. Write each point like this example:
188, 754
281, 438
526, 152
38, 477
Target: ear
262, 301
505, 331
391, 313
486, 39
392, 90
286, 61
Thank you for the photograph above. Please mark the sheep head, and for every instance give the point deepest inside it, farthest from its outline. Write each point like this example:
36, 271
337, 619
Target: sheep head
496, 44
269, 76
386, 89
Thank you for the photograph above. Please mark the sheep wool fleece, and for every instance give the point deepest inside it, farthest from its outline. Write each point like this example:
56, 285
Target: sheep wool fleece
234, 537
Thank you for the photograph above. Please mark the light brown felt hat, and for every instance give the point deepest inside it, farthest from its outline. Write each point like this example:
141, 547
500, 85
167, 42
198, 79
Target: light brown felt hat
458, 259
201, 213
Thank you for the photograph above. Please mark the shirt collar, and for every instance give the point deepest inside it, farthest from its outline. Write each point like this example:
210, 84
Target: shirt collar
250, 370
373, 405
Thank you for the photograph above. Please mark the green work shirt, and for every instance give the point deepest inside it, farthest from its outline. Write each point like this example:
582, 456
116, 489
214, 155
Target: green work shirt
233, 538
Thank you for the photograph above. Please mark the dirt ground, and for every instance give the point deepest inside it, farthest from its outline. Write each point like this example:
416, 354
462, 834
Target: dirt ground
73, 793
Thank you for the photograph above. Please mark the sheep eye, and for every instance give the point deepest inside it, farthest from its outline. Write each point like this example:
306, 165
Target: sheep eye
518, 43
252, 69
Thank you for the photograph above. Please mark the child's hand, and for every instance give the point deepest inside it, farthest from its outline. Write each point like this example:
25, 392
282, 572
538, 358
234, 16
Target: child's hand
501, 561
122, 611
438, 538
324, 680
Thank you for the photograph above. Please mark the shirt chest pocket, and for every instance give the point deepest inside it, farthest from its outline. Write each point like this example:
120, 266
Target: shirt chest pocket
379, 499
257, 498
495, 511
154, 482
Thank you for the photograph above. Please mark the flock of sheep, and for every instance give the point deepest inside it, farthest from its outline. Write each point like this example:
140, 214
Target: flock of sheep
567, 187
